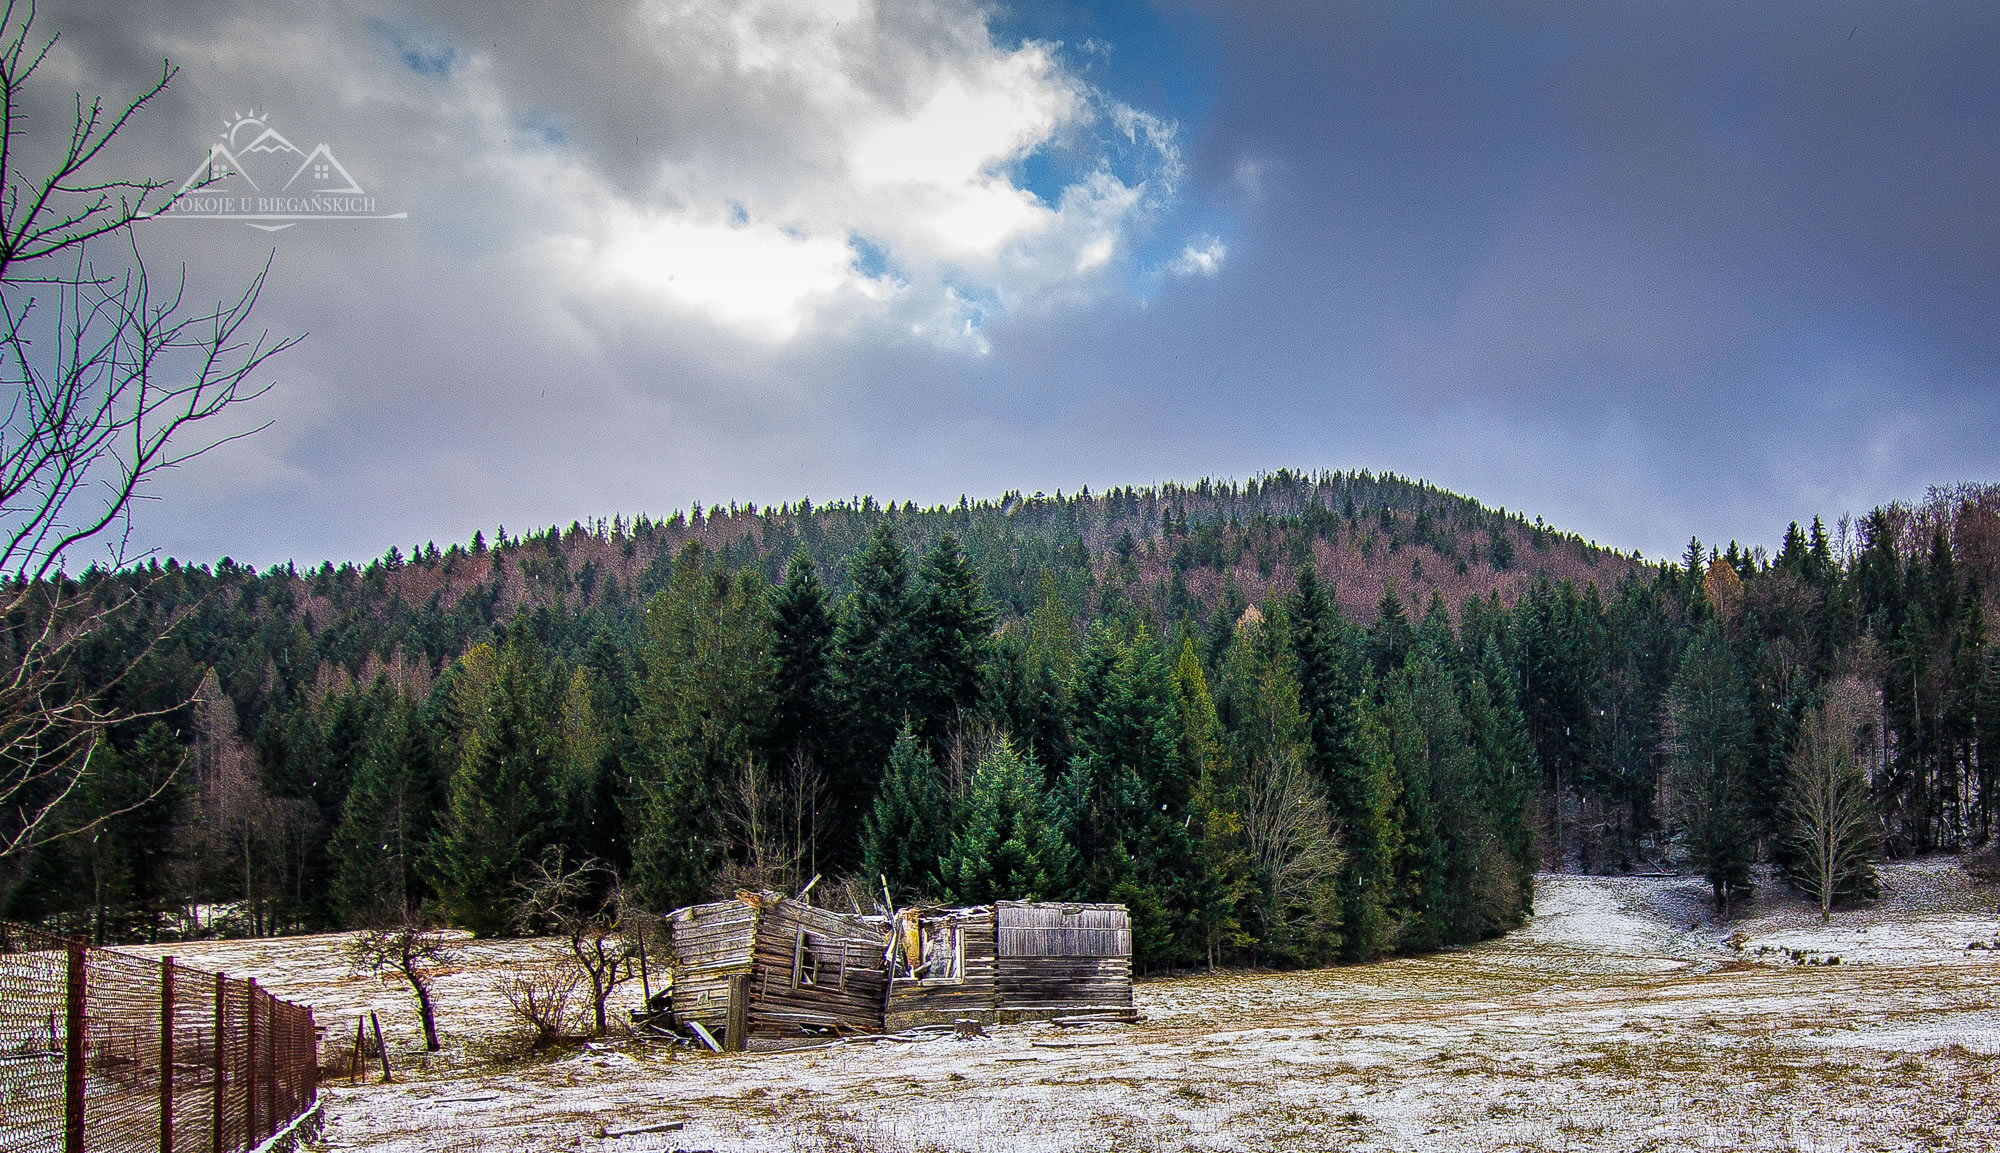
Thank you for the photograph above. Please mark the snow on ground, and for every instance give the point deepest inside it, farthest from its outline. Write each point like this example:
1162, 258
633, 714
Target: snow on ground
1624, 1016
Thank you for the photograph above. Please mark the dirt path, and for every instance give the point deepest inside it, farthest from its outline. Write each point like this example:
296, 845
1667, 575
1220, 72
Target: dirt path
1621, 1018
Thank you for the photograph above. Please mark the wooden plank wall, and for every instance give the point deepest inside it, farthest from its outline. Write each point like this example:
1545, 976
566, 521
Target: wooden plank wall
710, 943
914, 1002
1032, 988
848, 994
1049, 929
1057, 959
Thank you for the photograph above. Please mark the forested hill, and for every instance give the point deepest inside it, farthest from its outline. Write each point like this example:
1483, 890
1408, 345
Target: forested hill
1288, 721
1165, 554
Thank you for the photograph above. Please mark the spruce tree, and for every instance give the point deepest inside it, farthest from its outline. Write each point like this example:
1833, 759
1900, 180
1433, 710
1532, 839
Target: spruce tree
1709, 730
1390, 637
1353, 755
1367, 793
953, 626
704, 701
1418, 903
1504, 760
1295, 855
519, 763
878, 666
907, 832
388, 816
1134, 831
1011, 846
1224, 876
802, 653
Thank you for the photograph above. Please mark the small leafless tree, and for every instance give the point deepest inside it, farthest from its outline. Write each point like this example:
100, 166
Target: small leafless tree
1835, 827
414, 949
542, 998
106, 379
585, 905
754, 812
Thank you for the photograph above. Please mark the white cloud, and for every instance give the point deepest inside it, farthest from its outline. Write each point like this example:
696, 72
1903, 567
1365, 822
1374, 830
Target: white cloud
829, 169
1202, 257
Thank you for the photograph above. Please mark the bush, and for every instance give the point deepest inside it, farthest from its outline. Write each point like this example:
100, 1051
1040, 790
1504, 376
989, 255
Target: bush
546, 1000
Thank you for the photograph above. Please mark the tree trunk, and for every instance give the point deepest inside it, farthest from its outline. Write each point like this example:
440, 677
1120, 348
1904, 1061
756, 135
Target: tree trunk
425, 1013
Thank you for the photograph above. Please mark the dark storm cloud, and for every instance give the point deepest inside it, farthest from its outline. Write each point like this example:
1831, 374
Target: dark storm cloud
1649, 270
1715, 260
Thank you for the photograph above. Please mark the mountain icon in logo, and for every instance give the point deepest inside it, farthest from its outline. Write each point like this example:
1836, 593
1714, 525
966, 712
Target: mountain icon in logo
255, 175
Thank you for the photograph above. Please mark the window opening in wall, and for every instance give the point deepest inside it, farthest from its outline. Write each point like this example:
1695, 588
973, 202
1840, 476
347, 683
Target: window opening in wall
805, 962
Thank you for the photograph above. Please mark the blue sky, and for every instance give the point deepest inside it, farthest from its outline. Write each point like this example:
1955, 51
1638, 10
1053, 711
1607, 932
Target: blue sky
1646, 270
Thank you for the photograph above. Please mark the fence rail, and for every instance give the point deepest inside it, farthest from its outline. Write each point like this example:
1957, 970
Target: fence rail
103, 1051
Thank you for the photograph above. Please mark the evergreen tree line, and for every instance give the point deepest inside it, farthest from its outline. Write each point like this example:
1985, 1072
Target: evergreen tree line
1272, 783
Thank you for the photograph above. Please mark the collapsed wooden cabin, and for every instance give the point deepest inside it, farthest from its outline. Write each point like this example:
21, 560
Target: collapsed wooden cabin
1013, 961
765, 971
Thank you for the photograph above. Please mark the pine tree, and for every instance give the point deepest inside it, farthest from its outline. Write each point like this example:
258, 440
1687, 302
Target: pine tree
907, 833
1709, 731
704, 701
1011, 846
523, 755
953, 627
388, 816
1218, 804
878, 667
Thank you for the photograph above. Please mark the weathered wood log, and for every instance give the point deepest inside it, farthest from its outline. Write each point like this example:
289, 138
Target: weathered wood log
707, 1038
636, 1130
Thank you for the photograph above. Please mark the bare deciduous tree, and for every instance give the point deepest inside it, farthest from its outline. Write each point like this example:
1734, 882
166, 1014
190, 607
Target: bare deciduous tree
415, 950
585, 905
759, 810
1836, 830
1288, 828
106, 379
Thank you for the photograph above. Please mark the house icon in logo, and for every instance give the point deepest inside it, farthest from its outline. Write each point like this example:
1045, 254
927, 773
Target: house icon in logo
329, 176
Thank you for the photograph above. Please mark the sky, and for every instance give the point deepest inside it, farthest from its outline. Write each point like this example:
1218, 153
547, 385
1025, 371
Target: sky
1646, 270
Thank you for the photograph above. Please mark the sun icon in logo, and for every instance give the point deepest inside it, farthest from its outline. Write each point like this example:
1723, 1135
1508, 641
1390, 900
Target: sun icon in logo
233, 130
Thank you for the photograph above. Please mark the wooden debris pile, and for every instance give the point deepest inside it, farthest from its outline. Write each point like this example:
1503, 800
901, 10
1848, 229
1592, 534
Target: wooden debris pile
767, 971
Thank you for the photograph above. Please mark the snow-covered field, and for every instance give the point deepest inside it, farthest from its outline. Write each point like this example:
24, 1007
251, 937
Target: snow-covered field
1624, 1017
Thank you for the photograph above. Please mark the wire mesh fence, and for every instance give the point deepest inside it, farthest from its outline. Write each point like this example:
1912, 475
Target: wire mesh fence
104, 1051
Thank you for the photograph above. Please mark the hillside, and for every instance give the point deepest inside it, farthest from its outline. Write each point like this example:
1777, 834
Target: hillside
1435, 699
1170, 553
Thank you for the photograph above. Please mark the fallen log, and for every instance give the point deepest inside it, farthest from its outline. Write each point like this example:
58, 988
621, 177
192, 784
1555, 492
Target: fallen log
657, 1127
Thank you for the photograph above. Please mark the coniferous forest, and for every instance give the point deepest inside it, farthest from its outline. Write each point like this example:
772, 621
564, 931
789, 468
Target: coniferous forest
1293, 721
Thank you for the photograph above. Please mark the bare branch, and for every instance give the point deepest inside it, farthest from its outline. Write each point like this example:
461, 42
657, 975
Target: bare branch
108, 380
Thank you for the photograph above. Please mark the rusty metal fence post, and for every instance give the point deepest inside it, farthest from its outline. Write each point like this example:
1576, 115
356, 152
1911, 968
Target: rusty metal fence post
250, 1064
166, 1055
73, 1050
219, 1077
